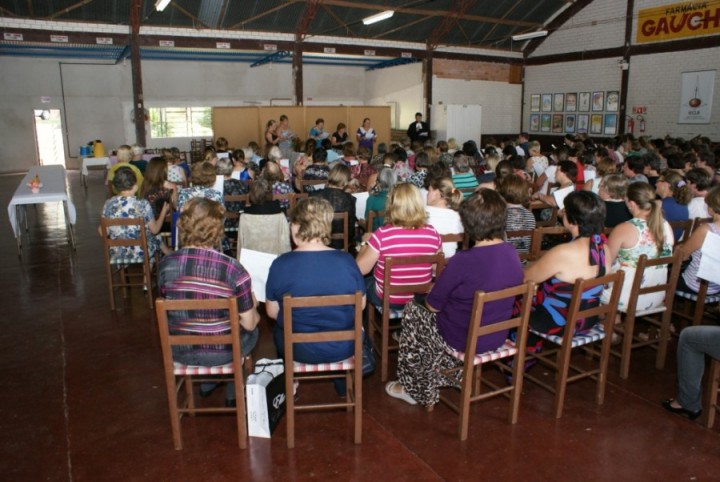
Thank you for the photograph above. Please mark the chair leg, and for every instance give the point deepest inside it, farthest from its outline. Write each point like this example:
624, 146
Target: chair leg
111, 287
240, 414
290, 409
357, 381
711, 393
602, 376
190, 396
349, 387
384, 347
663, 338
699, 311
518, 372
170, 384
467, 387
563, 366
626, 349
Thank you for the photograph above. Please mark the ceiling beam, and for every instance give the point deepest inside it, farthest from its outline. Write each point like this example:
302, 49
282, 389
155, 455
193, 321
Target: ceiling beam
69, 9
31, 10
341, 24
196, 20
258, 16
556, 23
402, 27
311, 9
425, 12
460, 7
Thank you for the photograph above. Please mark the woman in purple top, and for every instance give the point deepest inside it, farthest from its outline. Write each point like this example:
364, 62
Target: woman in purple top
492, 264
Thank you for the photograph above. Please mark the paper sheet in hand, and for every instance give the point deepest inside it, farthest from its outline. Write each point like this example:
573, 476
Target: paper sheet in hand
360, 203
561, 194
710, 261
257, 264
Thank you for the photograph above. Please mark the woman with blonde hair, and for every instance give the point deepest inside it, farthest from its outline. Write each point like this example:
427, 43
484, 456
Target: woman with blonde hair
646, 233
296, 273
604, 166
443, 203
675, 196
406, 233
203, 179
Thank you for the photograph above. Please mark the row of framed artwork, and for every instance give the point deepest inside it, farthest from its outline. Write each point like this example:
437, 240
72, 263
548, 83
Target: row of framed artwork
576, 102
603, 124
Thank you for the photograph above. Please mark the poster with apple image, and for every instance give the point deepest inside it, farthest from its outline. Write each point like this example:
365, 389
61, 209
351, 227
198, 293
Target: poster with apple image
696, 97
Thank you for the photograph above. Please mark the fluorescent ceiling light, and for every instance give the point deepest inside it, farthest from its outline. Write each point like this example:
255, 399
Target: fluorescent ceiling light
529, 35
378, 17
161, 4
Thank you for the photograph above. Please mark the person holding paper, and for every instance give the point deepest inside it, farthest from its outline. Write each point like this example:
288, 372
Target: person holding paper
318, 133
647, 233
366, 135
302, 273
199, 264
689, 281
565, 175
586, 256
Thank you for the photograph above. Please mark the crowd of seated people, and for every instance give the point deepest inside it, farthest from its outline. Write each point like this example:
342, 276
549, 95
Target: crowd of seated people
625, 192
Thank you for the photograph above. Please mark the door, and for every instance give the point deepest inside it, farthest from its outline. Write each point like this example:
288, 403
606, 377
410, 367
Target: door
463, 122
48, 137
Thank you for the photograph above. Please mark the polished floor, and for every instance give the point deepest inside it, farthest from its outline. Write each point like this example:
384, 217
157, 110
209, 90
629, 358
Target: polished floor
83, 398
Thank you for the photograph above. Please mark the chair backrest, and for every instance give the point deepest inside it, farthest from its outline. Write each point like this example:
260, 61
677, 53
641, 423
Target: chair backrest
343, 236
168, 340
291, 337
550, 221
124, 223
608, 311
292, 198
316, 183
673, 264
537, 238
687, 228
371, 219
437, 262
461, 239
520, 322
523, 235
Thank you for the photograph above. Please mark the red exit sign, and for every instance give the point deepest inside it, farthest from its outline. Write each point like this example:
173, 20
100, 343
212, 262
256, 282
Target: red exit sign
639, 109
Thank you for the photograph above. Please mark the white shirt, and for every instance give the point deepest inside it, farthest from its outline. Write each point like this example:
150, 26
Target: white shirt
697, 208
445, 221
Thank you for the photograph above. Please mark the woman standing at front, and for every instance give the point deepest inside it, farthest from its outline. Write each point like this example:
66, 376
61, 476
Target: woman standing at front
271, 137
366, 135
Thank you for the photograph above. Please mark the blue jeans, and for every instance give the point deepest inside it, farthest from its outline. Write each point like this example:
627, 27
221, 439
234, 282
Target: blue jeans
248, 340
695, 342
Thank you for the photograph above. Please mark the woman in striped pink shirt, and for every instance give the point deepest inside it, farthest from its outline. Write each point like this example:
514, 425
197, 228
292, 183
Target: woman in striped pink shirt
406, 233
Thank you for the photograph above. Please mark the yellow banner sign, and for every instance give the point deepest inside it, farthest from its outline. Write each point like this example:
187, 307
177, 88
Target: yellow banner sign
678, 20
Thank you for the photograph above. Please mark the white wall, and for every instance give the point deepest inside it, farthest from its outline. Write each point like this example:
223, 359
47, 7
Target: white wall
402, 85
500, 103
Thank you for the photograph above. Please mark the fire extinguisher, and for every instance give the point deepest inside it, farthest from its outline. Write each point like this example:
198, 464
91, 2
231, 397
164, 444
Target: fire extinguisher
641, 121
631, 126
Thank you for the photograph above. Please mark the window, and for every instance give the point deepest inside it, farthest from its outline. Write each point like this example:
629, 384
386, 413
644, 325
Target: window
181, 122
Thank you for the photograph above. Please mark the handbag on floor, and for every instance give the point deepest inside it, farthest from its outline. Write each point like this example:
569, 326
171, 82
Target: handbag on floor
265, 394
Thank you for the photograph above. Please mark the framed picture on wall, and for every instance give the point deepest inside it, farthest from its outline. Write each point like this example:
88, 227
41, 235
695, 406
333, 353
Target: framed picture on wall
557, 123
534, 122
612, 101
558, 102
570, 123
596, 124
535, 103
610, 124
598, 101
584, 101
582, 123
571, 102
545, 123
547, 102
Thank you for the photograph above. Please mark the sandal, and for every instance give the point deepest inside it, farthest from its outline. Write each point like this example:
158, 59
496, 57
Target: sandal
399, 393
667, 405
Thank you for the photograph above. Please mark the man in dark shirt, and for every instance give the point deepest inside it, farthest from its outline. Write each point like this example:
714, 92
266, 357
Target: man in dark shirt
419, 130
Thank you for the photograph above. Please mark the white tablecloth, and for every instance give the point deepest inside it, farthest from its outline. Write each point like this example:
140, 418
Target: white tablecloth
53, 179
94, 161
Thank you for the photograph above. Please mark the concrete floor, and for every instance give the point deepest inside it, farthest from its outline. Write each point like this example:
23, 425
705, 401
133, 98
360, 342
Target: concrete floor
83, 398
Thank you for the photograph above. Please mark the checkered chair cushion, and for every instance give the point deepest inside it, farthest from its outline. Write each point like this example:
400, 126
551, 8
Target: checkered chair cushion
595, 334
346, 364
504, 351
393, 313
693, 296
184, 370
651, 311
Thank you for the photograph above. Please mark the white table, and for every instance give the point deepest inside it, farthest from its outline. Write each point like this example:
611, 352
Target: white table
92, 162
54, 189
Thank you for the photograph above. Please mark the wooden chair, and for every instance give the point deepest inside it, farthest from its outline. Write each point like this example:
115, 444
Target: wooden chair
291, 198
552, 221
302, 184
343, 236
382, 326
692, 306
371, 219
177, 374
710, 394
687, 228
351, 367
461, 239
118, 269
471, 385
232, 217
569, 340
538, 235
525, 236
634, 311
